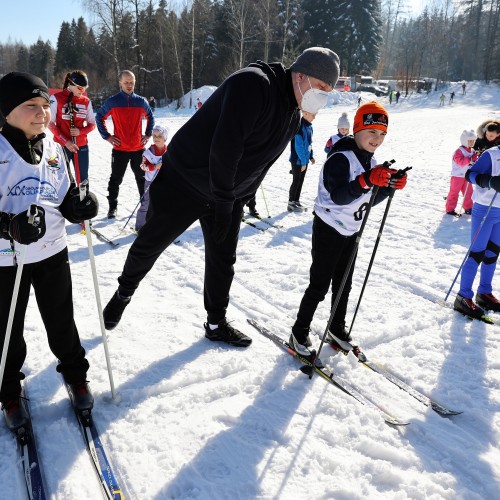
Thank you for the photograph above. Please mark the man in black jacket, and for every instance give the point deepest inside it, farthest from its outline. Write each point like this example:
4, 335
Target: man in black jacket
241, 130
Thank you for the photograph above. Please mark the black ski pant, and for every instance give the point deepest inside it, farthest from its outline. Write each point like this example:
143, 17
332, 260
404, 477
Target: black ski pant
51, 281
174, 209
331, 253
119, 162
297, 182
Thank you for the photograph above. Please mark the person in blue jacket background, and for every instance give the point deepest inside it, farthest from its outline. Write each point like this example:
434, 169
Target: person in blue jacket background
301, 154
485, 246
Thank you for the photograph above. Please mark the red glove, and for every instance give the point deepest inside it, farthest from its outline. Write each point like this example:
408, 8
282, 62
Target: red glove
399, 182
377, 176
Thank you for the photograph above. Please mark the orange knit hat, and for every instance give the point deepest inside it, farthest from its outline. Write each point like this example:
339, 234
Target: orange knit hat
371, 115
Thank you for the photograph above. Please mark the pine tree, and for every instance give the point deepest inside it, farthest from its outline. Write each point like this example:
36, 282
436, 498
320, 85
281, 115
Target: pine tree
350, 28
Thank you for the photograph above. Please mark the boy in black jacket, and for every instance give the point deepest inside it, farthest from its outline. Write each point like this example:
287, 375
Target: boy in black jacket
344, 191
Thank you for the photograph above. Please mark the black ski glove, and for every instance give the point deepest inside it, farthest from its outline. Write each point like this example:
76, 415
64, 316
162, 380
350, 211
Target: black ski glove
222, 221
488, 181
76, 210
25, 232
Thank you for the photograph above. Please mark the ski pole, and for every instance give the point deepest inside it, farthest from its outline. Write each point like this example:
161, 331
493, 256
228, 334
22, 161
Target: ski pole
399, 174
472, 243
83, 188
265, 201
139, 202
32, 213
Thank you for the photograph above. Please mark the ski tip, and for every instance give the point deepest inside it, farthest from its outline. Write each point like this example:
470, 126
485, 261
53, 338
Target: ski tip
395, 422
444, 412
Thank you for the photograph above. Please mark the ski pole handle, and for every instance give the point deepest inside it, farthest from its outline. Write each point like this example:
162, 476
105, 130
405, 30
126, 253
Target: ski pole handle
83, 187
400, 173
32, 213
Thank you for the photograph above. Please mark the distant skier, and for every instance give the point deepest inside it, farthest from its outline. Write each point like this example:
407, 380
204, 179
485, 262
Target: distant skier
398, 95
452, 95
464, 86
442, 97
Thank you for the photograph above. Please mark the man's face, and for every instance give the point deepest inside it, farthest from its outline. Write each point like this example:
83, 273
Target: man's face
127, 83
303, 83
32, 116
369, 139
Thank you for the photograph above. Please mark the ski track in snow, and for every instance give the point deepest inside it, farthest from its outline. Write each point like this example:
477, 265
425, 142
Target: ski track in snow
199, 420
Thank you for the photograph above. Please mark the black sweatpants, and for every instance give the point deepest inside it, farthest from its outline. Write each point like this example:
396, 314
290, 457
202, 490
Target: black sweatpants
119, 162
174, 209
331, 253
297, 182
51, 281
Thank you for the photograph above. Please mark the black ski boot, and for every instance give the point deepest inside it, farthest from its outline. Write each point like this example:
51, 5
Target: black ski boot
228, 334
15, 414
488, 301
300, 340
338, 337
113, 311
81, 396
467, 307
113, 206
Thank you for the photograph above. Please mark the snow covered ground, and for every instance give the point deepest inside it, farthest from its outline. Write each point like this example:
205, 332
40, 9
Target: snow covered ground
199, 420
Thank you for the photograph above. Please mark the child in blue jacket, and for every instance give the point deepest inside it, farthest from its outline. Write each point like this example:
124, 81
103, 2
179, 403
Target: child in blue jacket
301, 154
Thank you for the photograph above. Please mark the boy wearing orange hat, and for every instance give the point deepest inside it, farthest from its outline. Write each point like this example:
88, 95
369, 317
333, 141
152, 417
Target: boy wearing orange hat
344, 191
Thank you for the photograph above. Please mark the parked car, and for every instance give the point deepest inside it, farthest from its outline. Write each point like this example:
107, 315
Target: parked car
373, 89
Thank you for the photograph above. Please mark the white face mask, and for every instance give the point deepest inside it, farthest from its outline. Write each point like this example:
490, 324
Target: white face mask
313, 99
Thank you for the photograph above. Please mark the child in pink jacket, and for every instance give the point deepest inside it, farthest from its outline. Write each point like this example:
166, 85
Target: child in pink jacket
463, 157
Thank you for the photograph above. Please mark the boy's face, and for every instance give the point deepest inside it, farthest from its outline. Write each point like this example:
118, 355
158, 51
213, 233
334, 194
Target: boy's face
343, 131
32, 116
158, 140
369, 139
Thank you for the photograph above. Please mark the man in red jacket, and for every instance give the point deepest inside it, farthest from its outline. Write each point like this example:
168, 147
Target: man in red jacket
126, 110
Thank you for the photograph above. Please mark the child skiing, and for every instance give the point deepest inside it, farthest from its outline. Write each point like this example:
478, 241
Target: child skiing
485, 236
345, 188
301, 154
151, 163
463, 157
72, 118
35, 172
343, 128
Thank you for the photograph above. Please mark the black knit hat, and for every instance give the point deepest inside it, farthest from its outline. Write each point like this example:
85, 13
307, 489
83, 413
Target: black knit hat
16, 88
319, 63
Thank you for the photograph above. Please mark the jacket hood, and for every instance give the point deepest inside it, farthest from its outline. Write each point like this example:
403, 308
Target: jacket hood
482, 128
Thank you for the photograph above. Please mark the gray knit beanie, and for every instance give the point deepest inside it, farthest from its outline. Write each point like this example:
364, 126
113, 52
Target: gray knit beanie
319, 63
343, 121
